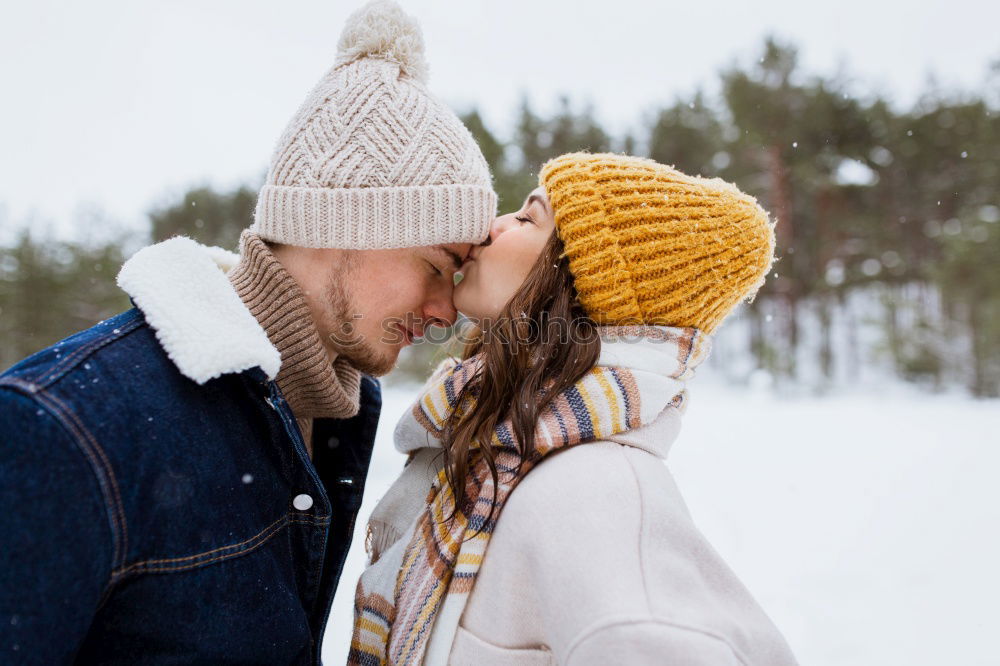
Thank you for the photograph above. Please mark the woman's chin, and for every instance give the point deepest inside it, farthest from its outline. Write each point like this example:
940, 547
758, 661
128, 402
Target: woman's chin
478, 316
465, 300
473, 306
467, 306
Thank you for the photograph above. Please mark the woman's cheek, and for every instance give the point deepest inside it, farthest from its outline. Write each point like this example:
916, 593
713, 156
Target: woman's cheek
508, 285
473, 295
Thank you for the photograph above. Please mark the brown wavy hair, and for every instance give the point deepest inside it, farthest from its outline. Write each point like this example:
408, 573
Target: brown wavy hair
541, 344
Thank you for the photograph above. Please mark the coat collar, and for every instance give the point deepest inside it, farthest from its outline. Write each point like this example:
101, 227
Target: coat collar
199, 320
657, 437
665, 352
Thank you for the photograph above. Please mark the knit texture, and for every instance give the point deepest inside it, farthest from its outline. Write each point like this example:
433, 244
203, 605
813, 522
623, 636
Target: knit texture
422, 565
313, 386
371, 159
648, 244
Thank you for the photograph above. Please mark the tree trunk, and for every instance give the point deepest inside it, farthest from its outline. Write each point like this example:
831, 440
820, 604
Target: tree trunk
787, 284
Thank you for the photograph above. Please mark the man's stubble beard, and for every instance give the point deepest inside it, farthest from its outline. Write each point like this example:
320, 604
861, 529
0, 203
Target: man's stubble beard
345, 314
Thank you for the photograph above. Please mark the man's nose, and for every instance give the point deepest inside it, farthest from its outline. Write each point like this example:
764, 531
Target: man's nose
440, 311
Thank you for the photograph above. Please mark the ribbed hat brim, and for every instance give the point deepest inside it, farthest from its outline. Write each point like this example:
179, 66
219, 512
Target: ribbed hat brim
368, 218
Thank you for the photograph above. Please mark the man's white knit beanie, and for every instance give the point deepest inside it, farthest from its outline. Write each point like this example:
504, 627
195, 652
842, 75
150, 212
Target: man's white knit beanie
371, 159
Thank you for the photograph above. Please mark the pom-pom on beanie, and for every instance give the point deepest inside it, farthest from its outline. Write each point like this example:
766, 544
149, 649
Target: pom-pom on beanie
648, 244
371, 159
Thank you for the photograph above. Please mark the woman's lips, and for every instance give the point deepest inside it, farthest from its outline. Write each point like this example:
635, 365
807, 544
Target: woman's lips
463, 270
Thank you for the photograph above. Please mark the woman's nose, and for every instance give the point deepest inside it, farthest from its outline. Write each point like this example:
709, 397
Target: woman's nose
500, 225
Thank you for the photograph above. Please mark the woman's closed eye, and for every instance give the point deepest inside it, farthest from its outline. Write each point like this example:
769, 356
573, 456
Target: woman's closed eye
523, 219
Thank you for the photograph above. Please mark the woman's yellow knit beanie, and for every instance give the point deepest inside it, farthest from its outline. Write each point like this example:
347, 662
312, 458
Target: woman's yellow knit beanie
648, 244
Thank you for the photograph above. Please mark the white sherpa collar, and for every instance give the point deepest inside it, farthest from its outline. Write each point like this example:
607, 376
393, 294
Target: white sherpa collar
199, 319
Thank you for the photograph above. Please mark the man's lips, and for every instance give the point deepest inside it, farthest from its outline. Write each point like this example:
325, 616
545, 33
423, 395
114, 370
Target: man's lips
408, 333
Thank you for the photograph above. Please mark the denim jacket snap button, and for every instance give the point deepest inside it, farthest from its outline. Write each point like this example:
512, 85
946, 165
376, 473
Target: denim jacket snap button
302, 502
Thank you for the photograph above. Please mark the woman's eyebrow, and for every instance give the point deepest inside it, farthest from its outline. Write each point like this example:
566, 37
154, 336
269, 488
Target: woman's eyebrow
540, 199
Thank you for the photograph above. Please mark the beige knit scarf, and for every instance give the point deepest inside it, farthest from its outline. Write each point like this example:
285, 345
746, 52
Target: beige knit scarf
314, 385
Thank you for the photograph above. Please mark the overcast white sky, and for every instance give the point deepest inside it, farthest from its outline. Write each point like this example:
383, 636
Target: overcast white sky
121, 104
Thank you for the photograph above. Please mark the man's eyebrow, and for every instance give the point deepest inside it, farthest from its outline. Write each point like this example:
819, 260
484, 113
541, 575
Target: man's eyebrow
452, 256
532, 198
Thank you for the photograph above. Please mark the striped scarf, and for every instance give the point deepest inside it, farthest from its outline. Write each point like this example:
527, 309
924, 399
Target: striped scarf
423, 566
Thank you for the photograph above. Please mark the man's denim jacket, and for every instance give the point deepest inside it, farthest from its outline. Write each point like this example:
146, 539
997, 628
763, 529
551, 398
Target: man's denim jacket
157, 503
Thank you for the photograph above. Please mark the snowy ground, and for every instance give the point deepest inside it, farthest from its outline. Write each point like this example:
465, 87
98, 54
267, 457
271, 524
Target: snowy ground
866, 525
